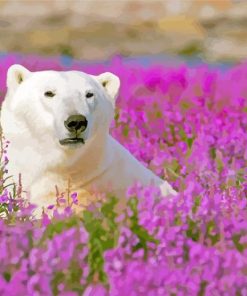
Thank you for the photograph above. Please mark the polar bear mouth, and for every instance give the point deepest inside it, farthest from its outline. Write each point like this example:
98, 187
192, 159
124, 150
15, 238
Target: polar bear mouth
69, 141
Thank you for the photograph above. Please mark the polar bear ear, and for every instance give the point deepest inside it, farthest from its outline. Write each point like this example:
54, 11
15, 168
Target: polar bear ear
16, 75
111, 84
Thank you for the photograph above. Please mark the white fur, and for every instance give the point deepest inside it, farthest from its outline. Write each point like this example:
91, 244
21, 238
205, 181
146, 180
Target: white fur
34, 124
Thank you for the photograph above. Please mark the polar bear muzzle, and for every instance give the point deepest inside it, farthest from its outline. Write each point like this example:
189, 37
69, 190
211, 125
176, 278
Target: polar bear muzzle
76, 123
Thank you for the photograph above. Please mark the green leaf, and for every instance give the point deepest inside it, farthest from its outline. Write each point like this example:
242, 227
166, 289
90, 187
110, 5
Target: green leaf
125, 130
58, 226
190, 141
57, 279
210, 227
236, 240
193, 231
103, 235
196, 205
141, 233
7, 276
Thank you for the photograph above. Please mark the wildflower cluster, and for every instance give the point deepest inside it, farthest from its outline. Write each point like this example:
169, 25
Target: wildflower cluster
189, 126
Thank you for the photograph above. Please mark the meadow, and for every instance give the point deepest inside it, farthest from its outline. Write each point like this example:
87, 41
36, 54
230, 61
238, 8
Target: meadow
188, 124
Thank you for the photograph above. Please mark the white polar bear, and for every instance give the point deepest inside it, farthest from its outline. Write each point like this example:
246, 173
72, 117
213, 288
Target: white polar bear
58, 127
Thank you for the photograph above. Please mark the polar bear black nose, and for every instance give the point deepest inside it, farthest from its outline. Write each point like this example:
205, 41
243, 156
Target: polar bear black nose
76, 123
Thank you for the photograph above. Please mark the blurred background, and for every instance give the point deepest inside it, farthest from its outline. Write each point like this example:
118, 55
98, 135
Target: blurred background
214, 30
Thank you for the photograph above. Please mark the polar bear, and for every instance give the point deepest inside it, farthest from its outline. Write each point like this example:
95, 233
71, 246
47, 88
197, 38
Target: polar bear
58, 127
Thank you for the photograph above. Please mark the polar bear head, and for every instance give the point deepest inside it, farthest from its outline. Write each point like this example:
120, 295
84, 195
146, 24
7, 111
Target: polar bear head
71, 107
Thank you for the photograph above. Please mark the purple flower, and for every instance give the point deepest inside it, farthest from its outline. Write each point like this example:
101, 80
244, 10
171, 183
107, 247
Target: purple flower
74, 198
4, 197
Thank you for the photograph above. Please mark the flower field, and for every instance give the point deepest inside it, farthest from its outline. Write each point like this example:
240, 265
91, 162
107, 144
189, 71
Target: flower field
187, 124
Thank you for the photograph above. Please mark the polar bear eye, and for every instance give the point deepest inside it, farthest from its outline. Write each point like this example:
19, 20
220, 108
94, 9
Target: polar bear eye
89, 95
49, 94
